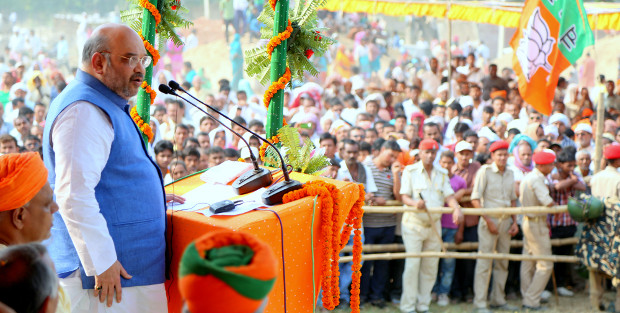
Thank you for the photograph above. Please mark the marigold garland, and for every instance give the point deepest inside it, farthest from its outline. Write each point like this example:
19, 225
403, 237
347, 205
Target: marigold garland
149, 6
152, 93
328, 202
149, 47
263, 148
280, 84
145, 128
276, 86
279, 38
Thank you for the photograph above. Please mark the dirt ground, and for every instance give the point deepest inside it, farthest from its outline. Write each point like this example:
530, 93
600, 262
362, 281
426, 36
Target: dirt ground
576, 304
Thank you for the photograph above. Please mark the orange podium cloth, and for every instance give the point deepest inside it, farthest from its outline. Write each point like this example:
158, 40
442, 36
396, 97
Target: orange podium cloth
183, 227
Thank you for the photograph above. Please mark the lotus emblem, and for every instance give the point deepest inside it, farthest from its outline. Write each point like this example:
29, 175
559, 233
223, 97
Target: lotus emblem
535, 46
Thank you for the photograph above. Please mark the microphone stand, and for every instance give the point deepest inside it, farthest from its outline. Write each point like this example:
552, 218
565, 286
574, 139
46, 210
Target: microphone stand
248, 181
273, 195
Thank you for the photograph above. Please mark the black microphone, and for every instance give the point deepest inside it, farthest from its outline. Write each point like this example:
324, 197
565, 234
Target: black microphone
273, 195
249, 181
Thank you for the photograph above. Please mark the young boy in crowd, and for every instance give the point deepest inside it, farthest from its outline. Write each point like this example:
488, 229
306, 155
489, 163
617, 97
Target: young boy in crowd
163, 155
216, 156
191, 157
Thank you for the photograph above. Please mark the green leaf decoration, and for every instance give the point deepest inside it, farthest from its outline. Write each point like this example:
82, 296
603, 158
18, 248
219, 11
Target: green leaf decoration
271, 156
303, 158
170, 20
306, 36
309, 11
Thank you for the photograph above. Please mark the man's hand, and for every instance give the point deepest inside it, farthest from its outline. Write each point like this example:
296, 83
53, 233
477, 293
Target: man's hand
514, 229
170, 197
379, 201
420, 205
397, 168
108, 282
458, 237
492, 227
457, 216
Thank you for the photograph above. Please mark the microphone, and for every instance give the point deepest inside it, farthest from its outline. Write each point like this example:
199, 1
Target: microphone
248, 181
273, 195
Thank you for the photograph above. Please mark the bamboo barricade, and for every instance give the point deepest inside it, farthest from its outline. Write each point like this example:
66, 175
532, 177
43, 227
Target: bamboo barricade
464, 255
397, 207
397, 247
470, 211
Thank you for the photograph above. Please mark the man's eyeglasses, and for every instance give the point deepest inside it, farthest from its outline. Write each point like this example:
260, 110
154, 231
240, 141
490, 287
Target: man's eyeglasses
133, 60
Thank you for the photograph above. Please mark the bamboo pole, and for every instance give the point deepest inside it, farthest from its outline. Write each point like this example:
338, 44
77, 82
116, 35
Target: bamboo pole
471, 246
598, 143
470, 211
464, 255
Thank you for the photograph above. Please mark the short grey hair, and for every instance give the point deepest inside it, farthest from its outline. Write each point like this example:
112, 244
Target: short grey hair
580, 152
94, 44
25, 278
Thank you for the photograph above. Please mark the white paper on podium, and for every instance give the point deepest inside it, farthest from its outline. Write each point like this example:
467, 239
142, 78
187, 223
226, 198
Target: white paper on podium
203, 196
250, 202
199, 200
225, 172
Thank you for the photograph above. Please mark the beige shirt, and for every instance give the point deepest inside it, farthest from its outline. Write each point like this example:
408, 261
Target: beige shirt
494, 189
534, 191
606, 183
434, 189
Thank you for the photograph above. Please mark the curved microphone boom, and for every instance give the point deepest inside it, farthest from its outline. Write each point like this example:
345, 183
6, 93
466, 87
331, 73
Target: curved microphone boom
249, 181
274, 194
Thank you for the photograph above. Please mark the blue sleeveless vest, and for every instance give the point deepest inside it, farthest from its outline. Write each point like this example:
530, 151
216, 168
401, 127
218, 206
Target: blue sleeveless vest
130, 193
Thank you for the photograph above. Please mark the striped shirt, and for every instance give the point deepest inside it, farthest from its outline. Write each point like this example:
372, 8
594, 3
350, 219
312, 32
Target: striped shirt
560, 197
384, 181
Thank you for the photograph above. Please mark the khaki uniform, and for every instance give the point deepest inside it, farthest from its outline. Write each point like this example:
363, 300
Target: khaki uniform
494, 190
605, 183
420, 273
536, 241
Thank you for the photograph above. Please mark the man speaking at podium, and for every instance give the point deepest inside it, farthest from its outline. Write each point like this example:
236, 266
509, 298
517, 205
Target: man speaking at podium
108, 239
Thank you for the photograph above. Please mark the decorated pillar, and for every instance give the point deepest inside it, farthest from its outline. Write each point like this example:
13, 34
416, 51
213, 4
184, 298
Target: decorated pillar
146, 96
278, 65
147, 18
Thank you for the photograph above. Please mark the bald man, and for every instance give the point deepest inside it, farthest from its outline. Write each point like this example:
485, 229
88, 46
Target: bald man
109, 234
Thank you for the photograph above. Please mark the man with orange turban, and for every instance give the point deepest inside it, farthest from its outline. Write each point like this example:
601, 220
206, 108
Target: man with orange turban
27, 201
27, 206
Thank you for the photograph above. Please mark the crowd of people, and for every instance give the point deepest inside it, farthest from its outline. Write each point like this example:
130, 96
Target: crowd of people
444, 132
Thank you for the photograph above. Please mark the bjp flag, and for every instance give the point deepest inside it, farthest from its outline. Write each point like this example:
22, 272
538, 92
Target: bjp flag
551, 36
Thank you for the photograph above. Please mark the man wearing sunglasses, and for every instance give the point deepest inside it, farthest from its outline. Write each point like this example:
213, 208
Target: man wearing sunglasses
108, 239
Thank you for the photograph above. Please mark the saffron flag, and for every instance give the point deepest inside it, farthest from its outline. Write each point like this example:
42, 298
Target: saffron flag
551, 36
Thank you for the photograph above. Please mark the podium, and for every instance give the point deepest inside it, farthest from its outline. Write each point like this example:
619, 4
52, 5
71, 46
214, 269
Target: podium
293, 249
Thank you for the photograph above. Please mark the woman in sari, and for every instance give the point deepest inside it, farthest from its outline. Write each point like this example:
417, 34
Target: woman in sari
343, 63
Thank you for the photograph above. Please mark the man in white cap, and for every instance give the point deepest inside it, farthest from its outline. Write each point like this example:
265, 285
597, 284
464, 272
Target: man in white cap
468, 230
561, 121
583, 134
